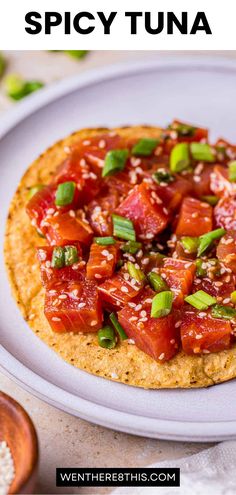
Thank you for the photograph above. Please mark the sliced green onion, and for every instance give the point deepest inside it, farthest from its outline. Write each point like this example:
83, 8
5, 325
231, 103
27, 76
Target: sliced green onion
32, 86
179, 157
118, 326
123, 228
135, 273
71, 255
145, 147
114, 162
157, 282
107, 337
202, 152
200, 300
163, 176
200, 271
104, 241
58, 257
206, 240
232, 171
233, 297
162, 304
183, 130
2, 64
76, 53
33, 190
17, 88
65, 193
190, 244
224, 312
211, 200
131, 247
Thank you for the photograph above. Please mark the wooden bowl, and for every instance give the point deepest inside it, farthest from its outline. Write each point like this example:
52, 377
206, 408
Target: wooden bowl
18, 431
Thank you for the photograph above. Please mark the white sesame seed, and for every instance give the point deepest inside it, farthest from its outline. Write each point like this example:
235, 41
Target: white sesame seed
102, 143
7, 470
97, 275
105, 252
93, 323
62, 296
178, 323
124, 289
226, 300
138, 307
54, 318
114, 376
143, 313
81, 305
75, 292
72, 213
162, 355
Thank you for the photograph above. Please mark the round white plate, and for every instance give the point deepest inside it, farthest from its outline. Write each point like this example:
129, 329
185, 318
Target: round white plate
198, 91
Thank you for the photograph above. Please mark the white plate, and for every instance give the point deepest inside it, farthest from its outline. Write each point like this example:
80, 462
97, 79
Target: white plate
198, 91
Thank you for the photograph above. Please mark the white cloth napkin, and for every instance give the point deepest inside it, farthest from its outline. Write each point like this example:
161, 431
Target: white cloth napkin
211, 472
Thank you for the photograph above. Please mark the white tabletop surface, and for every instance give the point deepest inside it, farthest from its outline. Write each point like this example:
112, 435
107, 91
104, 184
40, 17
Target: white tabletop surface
66, 440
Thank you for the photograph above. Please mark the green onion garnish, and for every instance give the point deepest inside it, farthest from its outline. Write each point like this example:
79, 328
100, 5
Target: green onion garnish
65, 193
162, 304
183, 130
118, 326
114, 162
179, 157
157, 282
190, 244
224, 312
123, 228
17, 88
107, 337
135, 273
206, 240
33, 190
2, 64
232, 171
200, 300
145, 147
131, 247
104, 241
58, 257
202, 152
163, 176
76, 53
233, 297
71, 255
200, 271
211, 200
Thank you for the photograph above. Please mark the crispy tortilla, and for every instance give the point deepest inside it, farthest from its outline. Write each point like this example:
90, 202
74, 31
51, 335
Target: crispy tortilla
126, 363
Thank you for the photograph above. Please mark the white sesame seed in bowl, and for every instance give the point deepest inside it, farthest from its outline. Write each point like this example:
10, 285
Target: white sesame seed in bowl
7, 470
17, 435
